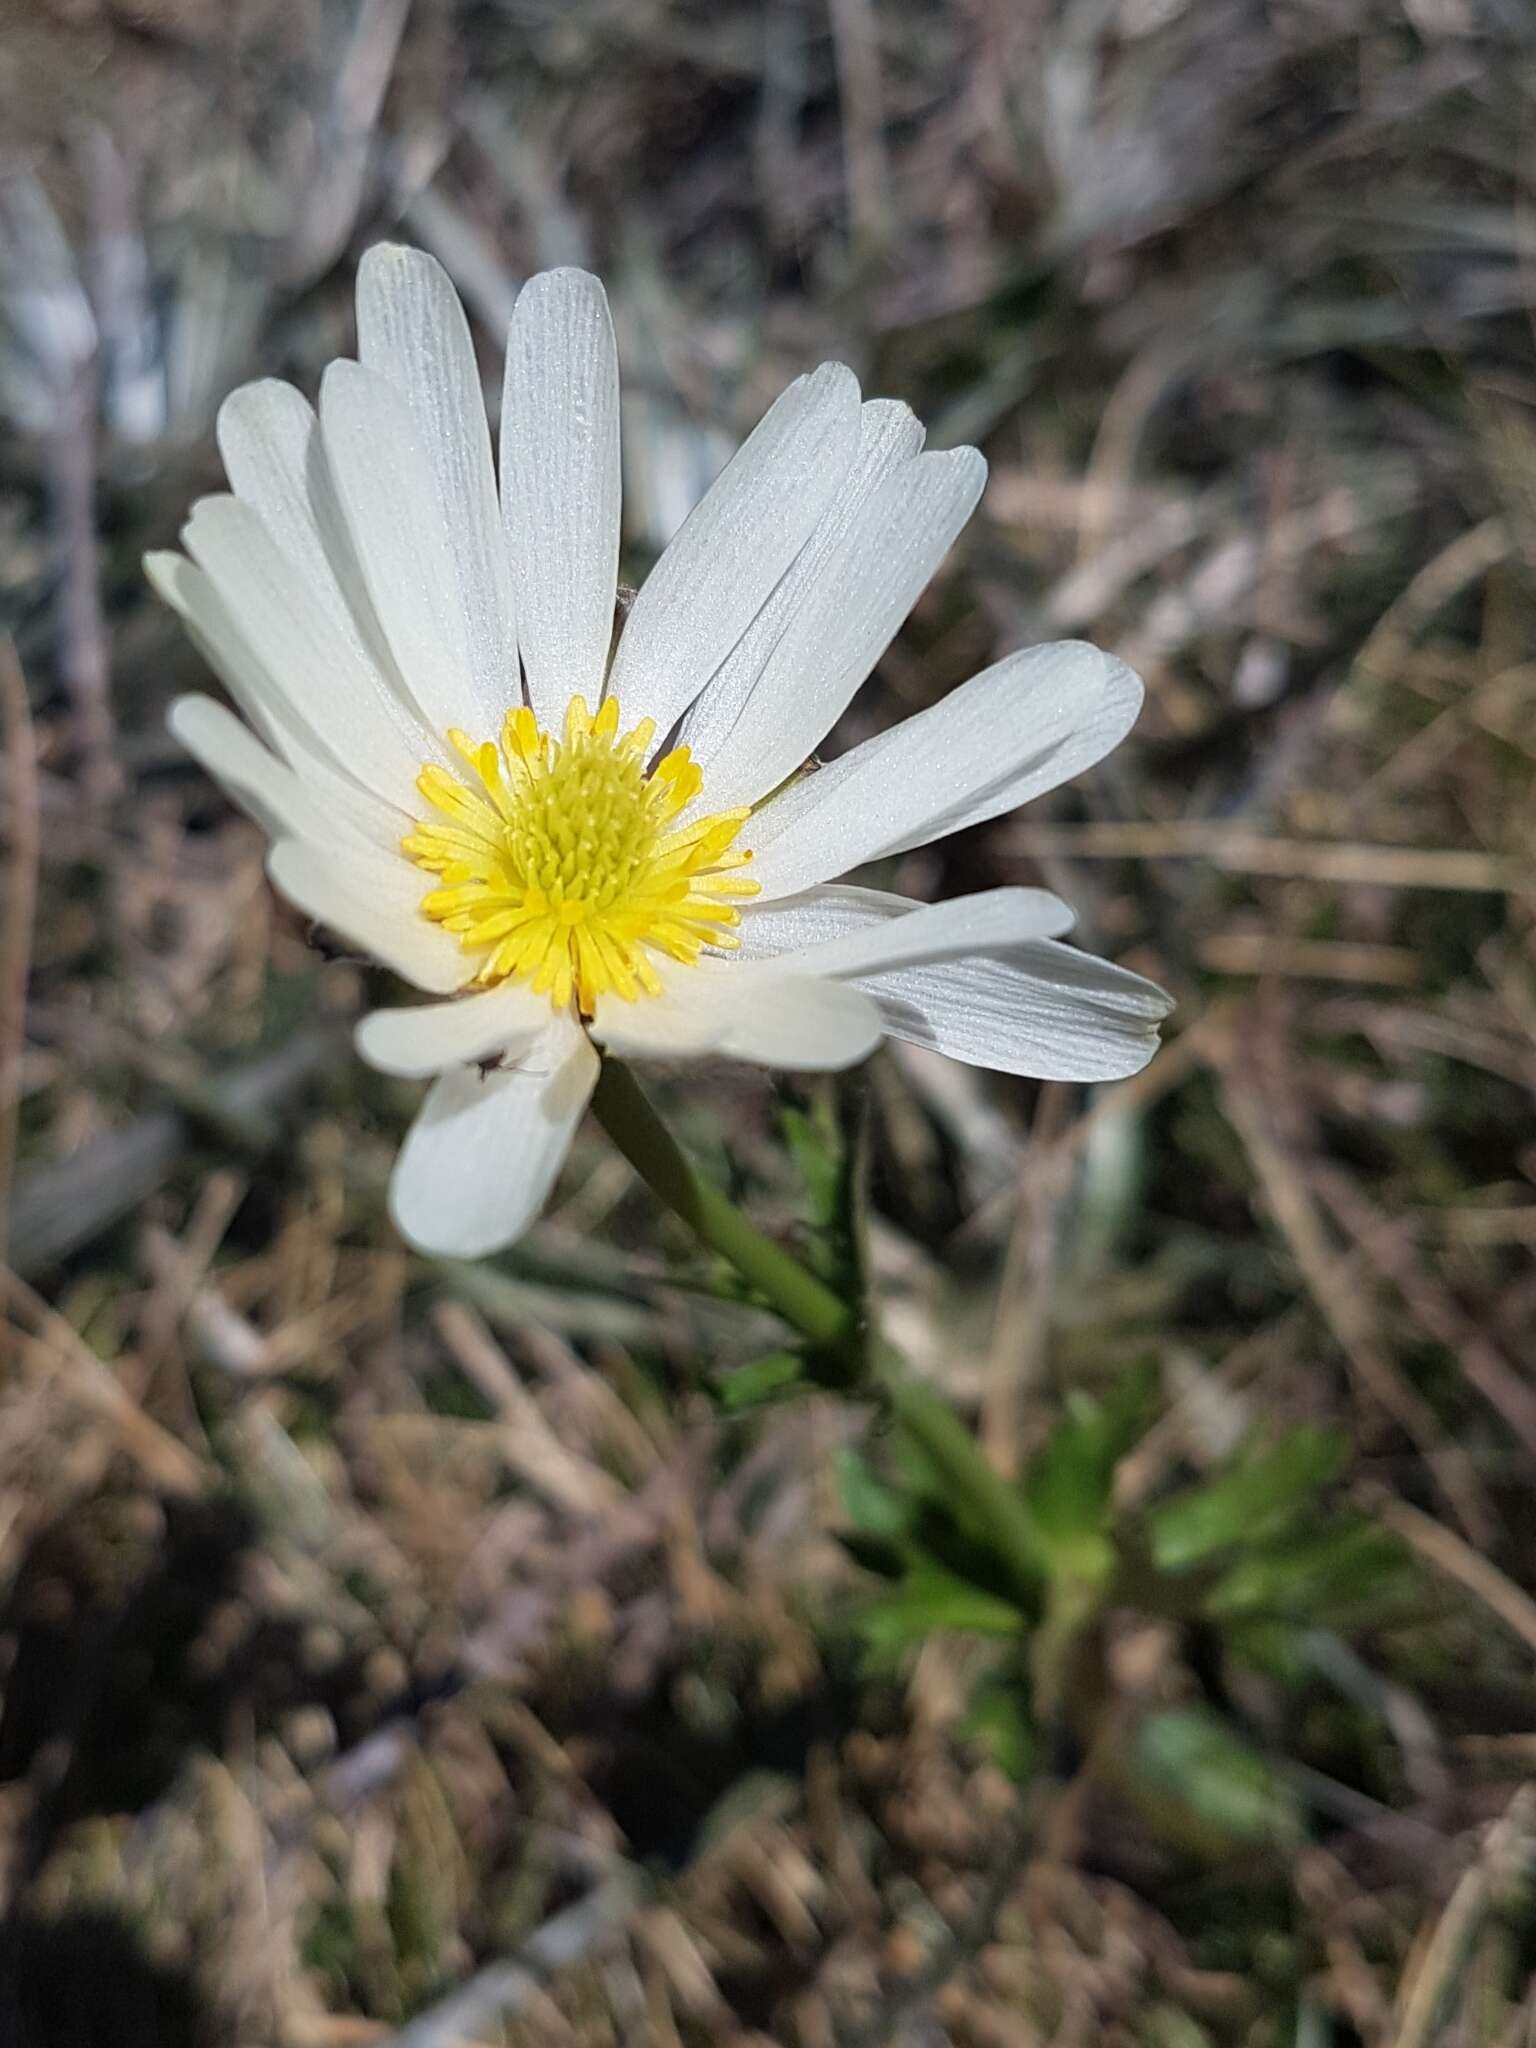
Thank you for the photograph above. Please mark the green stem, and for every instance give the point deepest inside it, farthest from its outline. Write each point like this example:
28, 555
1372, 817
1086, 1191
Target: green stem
969, 1475
799, 1297
830, 1323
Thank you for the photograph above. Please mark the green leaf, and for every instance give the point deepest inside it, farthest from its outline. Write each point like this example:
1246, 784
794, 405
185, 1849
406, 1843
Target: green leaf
874, 1508
1278, 1649
981, 1502
911, 1521
999, 1720
825, 1132
1196, 1759
1248, 1504
930, 1598
1314, 1576
751, 1386
1068, 1485
816, 1146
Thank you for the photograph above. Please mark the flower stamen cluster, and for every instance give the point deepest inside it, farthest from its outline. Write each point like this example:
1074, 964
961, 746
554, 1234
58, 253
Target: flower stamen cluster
560, 862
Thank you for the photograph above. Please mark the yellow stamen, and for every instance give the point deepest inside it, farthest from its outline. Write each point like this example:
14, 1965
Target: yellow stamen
560, 862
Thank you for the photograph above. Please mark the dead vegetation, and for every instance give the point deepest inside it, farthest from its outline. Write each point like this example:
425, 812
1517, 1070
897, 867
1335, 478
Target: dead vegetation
414, 1654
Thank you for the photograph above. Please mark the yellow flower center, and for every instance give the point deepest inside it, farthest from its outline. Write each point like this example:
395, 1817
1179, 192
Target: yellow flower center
558, 860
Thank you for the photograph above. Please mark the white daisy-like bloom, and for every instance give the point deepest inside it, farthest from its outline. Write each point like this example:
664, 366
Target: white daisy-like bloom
570, 842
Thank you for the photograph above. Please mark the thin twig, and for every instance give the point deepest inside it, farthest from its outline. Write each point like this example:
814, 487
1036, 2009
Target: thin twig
164, 1460
1456, 1560
1506, 1863
1274, 956
1346, 1312
856, 42
1396, 1256
1256, 853
342, 138
962, 1941
83, 658
1437, 584
531, 1447
19, 910
63, 1204
1021, 1322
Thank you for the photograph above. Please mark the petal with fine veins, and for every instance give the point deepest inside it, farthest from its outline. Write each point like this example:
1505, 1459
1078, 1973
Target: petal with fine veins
719, 569
890, 435
412, 331
316, 679
275, 796
269, 439
1034, 1007
560, 485
845, 623
925, 931
1030, 722
411, 555
1041, 1009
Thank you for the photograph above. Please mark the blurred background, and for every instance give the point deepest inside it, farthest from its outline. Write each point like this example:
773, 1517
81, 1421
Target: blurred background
374, 1633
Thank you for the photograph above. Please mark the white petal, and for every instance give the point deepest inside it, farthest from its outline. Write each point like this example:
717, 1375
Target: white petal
374, 903
212, 629
278, 799
427, 1037
672, 1026
560, 485
1038, 1008
718, 571
792, 923
981, 923
315, 678
796, 1021
269, 438
479, 1161
412, 331
752, 1013
890, 434
1044, 1010
407, 551
1021, 727
846, 623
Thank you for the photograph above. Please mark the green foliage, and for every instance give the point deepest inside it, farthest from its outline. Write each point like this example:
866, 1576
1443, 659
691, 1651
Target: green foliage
1342, 1569
764, 1380
1261, 1496
824, 1135
933, 1550
964, 1492
1260, 1551
817, 1145
1000, 1721
929, 1597
873, 1507
1069, 1483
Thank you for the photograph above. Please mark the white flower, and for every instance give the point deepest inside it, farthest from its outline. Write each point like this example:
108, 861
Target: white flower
441, 757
